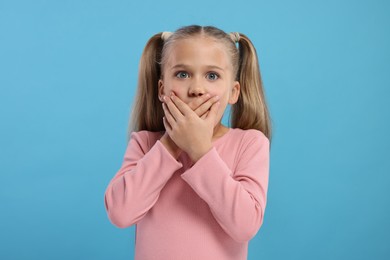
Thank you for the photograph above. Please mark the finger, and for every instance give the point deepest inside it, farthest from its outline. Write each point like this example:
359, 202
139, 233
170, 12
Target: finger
173, 110
213, 111
204, 116
195, 103
167, 126
203, 108
182, 107
168, 117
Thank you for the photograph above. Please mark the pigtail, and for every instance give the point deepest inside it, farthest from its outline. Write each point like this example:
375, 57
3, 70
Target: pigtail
147, 112
250, 111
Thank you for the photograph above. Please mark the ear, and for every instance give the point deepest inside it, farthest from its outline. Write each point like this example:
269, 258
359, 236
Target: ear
160, 90
235, 93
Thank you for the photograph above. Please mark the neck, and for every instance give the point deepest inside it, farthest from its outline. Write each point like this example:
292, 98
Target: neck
219, 130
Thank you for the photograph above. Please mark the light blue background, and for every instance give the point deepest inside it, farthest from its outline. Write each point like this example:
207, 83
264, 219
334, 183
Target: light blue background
68, 72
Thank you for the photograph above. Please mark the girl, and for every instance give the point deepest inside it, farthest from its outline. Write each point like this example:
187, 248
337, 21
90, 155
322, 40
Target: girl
195, 188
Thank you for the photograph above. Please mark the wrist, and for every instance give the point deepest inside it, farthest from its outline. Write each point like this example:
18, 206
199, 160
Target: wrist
170, 145
196, 155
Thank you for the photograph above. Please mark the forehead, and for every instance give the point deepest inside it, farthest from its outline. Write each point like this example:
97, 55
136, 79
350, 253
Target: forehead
198, 51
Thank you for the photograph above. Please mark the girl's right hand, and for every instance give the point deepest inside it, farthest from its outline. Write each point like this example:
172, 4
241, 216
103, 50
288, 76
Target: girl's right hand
201, 106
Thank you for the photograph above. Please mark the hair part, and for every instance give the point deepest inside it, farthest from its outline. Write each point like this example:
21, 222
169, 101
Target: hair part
250, 111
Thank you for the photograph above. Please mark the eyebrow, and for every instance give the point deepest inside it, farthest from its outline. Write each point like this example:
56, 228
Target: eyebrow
188, 66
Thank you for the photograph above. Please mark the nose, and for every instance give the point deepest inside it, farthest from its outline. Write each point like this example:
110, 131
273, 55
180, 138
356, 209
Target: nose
196, 89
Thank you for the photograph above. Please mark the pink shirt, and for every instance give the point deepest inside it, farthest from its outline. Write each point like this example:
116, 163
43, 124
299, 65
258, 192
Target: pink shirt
207, 210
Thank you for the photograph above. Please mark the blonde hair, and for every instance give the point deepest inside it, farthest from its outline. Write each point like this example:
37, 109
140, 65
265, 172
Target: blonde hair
250, 111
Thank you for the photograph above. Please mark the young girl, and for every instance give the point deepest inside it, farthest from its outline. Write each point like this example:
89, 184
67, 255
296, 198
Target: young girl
195, 188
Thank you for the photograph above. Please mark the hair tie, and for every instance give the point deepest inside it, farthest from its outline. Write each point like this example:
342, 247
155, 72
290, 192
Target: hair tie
235, 36
165, 35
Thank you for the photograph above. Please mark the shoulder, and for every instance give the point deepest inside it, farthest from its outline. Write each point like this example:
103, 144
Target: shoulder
242, 148
249, 136
239, 142
252, 147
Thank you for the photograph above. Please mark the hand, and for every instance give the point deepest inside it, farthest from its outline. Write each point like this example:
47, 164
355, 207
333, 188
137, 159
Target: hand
201, 107
202, 104
191, 133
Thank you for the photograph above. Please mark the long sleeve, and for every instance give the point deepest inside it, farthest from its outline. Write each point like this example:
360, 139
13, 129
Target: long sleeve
136, 187
236, 197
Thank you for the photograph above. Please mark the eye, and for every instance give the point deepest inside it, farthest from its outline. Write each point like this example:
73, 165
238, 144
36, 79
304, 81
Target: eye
212, 76
182, 75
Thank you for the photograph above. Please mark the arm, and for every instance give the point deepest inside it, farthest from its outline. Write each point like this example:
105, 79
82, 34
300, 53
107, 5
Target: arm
136, 187
236, 199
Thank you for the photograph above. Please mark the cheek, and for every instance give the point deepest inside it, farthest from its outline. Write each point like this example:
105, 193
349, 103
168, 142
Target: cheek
170, 86
221, 92
216, 90
178, 90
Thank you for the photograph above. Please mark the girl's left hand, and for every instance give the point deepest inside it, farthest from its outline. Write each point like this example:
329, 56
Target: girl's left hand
190, 133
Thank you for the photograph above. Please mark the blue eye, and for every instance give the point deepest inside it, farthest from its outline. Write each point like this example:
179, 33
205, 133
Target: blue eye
182, 75
212, 76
